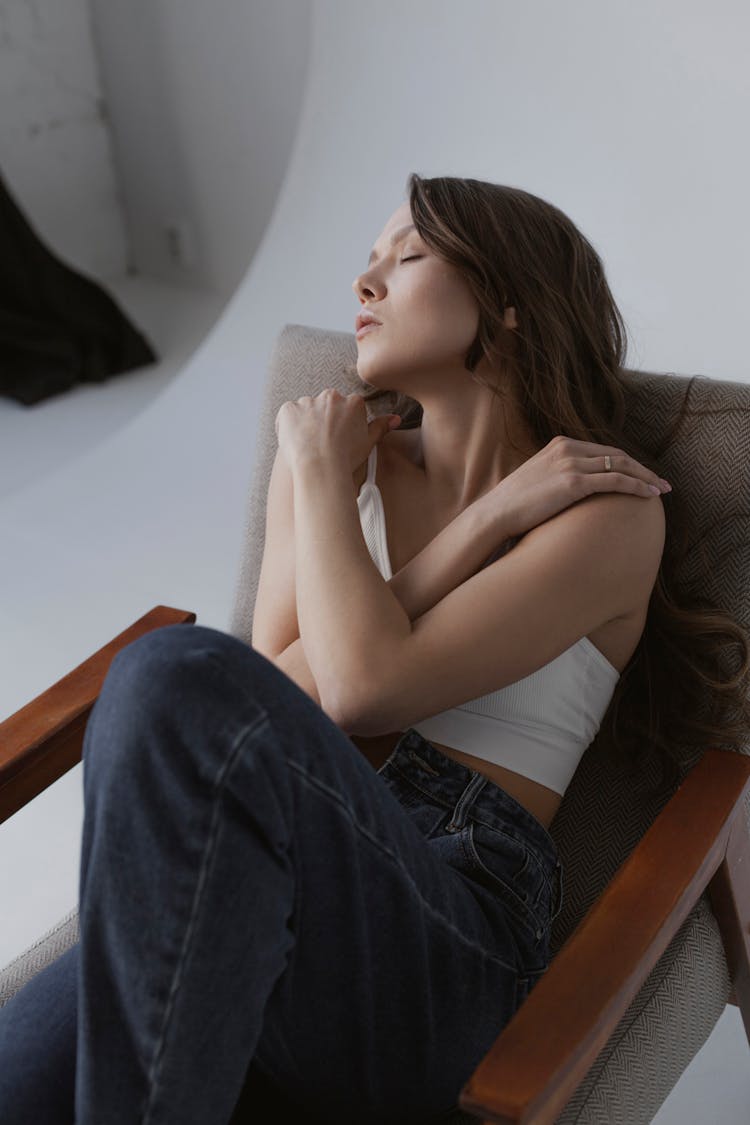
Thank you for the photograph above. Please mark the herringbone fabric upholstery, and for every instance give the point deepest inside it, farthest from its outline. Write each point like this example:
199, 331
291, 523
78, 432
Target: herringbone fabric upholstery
45, 949
605, 811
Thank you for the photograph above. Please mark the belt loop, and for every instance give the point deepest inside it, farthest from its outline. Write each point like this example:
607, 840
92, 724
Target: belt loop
465, 801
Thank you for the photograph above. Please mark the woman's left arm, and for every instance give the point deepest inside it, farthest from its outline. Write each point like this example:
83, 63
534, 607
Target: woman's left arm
343, 601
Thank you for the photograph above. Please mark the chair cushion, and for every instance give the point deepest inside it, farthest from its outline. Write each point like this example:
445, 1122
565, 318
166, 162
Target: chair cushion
45, 949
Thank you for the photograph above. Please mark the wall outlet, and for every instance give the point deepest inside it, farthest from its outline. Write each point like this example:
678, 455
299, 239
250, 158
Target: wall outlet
180, 245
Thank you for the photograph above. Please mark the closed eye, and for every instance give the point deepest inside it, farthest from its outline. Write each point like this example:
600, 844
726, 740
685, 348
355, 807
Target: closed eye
413, 258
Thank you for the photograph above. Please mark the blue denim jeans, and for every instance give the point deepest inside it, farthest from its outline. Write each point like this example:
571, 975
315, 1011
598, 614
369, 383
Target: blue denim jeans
265, 915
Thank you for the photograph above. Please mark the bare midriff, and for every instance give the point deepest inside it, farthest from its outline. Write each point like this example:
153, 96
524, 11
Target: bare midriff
535, 797
538, 799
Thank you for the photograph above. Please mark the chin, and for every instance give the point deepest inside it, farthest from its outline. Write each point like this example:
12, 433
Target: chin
374, 373
378, 371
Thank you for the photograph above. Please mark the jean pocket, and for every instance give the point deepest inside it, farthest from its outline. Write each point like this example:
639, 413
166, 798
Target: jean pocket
503, 863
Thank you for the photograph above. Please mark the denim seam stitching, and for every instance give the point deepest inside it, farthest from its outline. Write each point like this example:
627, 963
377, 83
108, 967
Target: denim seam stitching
439, 800
528, 909
425, 792
470, 848
208, 849
472, 815
384, 849
425, 765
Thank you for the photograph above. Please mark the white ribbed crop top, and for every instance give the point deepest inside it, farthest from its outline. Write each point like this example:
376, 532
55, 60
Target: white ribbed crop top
540, 725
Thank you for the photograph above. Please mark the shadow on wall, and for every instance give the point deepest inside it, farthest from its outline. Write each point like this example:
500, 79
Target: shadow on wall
57, 327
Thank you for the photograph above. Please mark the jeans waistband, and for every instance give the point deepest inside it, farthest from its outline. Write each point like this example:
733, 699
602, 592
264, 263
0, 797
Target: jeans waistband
491, 804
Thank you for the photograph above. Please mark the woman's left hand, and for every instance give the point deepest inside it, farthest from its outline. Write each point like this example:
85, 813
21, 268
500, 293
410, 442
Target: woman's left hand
330, 426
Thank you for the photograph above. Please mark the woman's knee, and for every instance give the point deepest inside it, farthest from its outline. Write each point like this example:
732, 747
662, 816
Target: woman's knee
169, 677
166, 656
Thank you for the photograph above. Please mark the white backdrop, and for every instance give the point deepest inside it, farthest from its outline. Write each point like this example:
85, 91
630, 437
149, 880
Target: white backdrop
204, 99
631, 118
56, 153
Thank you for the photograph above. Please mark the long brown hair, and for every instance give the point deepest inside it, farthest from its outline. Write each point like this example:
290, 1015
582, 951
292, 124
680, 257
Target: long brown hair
678, 694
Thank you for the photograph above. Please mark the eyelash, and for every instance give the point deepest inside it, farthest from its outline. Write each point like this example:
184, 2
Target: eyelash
413, 258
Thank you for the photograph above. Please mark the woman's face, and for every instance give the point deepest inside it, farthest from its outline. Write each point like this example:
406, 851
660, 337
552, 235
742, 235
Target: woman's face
428, 315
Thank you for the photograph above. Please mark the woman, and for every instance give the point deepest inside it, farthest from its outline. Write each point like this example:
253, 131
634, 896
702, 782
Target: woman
463, 458
262, 912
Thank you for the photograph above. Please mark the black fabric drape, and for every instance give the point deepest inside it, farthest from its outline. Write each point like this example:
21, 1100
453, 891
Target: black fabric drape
57, 328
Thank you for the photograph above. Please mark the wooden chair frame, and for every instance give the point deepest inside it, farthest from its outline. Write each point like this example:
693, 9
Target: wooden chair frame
698, 842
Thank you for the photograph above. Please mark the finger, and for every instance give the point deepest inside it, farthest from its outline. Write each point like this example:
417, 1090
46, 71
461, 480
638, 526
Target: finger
623, 482
623, 463
594, 453
379, 427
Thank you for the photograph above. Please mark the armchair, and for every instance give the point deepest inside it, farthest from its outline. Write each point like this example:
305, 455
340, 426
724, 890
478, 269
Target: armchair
654, 935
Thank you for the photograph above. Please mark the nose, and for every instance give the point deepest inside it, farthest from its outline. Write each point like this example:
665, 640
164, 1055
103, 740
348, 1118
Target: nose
365, 286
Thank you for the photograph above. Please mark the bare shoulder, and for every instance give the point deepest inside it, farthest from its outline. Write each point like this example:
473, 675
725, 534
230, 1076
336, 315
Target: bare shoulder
643, 515
630, 529
636, 528
618, 509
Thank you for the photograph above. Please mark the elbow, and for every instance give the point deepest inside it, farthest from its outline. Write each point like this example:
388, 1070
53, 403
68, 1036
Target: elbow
367, 722
345, 716
348, 699
338, 705
370, 705
351, 714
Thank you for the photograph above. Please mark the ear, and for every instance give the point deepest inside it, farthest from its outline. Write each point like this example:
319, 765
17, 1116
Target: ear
509, 317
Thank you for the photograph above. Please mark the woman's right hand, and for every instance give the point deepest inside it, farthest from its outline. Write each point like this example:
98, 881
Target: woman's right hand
562, 473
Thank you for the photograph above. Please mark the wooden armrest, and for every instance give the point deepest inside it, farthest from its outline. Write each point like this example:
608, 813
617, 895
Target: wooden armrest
700, 837
44, 739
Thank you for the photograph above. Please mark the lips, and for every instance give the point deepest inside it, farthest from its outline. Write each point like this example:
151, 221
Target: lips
368, 326
363, 319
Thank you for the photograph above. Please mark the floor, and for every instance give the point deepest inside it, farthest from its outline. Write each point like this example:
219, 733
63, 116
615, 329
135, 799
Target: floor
38, 884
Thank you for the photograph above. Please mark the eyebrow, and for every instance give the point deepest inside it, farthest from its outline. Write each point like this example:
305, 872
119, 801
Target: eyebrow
395, 237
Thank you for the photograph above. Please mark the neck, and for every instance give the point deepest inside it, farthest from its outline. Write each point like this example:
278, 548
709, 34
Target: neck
464, 455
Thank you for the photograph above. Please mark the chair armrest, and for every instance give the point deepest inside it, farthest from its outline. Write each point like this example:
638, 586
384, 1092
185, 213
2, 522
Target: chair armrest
44, 739
539, 1060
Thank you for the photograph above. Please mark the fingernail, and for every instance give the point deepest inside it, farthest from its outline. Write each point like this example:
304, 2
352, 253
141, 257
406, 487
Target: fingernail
656, 491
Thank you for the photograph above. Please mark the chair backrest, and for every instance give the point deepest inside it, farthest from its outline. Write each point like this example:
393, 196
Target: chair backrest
604, 812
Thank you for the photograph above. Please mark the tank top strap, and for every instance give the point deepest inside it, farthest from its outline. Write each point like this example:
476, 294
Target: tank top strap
371, 464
